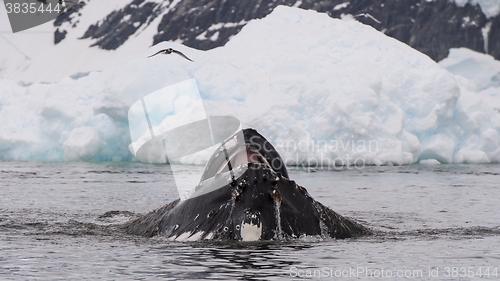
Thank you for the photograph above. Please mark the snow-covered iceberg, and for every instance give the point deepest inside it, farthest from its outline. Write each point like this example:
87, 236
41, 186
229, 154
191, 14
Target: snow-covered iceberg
481, 73
321, 90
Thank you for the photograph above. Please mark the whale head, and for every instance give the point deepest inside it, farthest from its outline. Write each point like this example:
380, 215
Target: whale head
245, 194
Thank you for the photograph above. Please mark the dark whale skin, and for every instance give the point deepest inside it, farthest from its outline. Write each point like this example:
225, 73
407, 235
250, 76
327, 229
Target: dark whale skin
261, 199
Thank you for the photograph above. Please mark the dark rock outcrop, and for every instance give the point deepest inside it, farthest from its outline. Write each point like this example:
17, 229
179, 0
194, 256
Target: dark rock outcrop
119, 25
59, 36
194, 22
494, 38
432, 27
70, 15
454, 27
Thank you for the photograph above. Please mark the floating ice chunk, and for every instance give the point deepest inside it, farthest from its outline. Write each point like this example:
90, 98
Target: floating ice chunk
429, 162
476, 72
465, 155
490, 140
439, 147
481, 69
83, 143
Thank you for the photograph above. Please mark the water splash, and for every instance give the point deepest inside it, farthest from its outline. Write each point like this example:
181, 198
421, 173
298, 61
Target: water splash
277, 211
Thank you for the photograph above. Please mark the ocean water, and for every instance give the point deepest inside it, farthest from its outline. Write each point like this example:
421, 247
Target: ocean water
60, 220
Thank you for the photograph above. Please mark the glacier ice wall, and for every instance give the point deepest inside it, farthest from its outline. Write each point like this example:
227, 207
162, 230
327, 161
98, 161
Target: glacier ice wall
322, 90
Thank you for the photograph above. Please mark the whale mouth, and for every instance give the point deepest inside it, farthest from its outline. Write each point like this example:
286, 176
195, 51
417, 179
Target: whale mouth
245, 147
242, 155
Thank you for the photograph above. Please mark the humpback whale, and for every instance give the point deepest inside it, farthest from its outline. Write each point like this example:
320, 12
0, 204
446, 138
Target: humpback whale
245, 194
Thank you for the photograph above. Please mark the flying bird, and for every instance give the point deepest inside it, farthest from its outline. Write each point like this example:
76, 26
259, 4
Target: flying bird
366, 15
61, 2
169, 51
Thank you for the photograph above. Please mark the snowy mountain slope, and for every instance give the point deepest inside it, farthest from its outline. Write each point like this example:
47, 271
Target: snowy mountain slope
129, 27
431, 27
31, 56
322, 90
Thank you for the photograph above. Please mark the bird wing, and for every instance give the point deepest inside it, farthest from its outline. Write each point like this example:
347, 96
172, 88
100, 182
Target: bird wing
76, 3
366, 15
374, 19
156, 53
182, 55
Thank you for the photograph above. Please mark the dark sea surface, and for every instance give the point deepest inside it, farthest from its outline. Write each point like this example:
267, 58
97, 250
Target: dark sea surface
60, 220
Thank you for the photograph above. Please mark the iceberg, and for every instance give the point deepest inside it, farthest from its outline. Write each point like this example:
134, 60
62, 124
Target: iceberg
477, 72
323, 91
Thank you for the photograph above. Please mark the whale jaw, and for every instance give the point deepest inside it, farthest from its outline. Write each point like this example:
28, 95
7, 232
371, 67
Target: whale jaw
260, 205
